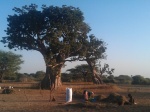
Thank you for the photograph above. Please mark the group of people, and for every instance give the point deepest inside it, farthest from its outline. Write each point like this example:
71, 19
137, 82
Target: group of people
89, 96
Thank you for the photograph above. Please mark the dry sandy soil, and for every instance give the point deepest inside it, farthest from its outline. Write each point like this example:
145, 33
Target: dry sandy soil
36, 100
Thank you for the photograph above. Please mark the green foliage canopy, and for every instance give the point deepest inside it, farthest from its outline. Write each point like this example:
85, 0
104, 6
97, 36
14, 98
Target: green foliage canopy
56, 32
9, 63
78, 73
138, 79
39, 75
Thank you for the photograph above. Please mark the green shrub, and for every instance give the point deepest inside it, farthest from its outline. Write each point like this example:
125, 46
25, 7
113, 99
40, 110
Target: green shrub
7, 91
138, 79
78, 94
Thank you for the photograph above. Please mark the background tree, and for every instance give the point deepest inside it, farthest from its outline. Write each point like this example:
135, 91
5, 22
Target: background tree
92, 51
66, 77
124, 79
39, 75
56, 32
105, 69
96, 50
138, 79
9, 64
80, 73
147, 81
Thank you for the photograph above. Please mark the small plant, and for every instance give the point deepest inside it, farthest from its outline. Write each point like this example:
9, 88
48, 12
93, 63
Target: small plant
100, 97
77, 94
7, 91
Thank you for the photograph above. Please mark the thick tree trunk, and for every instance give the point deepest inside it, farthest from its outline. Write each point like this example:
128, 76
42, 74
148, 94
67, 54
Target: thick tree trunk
1, 80
45, 83
1, 77
52, 79
95, 76
58, 82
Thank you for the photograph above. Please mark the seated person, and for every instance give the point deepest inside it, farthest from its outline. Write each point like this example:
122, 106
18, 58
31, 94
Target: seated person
131, 99
88, 95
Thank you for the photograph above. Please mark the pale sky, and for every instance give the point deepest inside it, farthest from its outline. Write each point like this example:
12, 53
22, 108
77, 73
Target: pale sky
123, 24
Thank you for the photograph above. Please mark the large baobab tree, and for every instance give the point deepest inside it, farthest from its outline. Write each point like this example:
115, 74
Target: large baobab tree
56, 32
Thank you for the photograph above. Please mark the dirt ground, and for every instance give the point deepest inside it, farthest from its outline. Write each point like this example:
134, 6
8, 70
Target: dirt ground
36, 100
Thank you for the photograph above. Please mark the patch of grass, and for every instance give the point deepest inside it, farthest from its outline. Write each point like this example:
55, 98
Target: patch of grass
78, 94
83, 105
